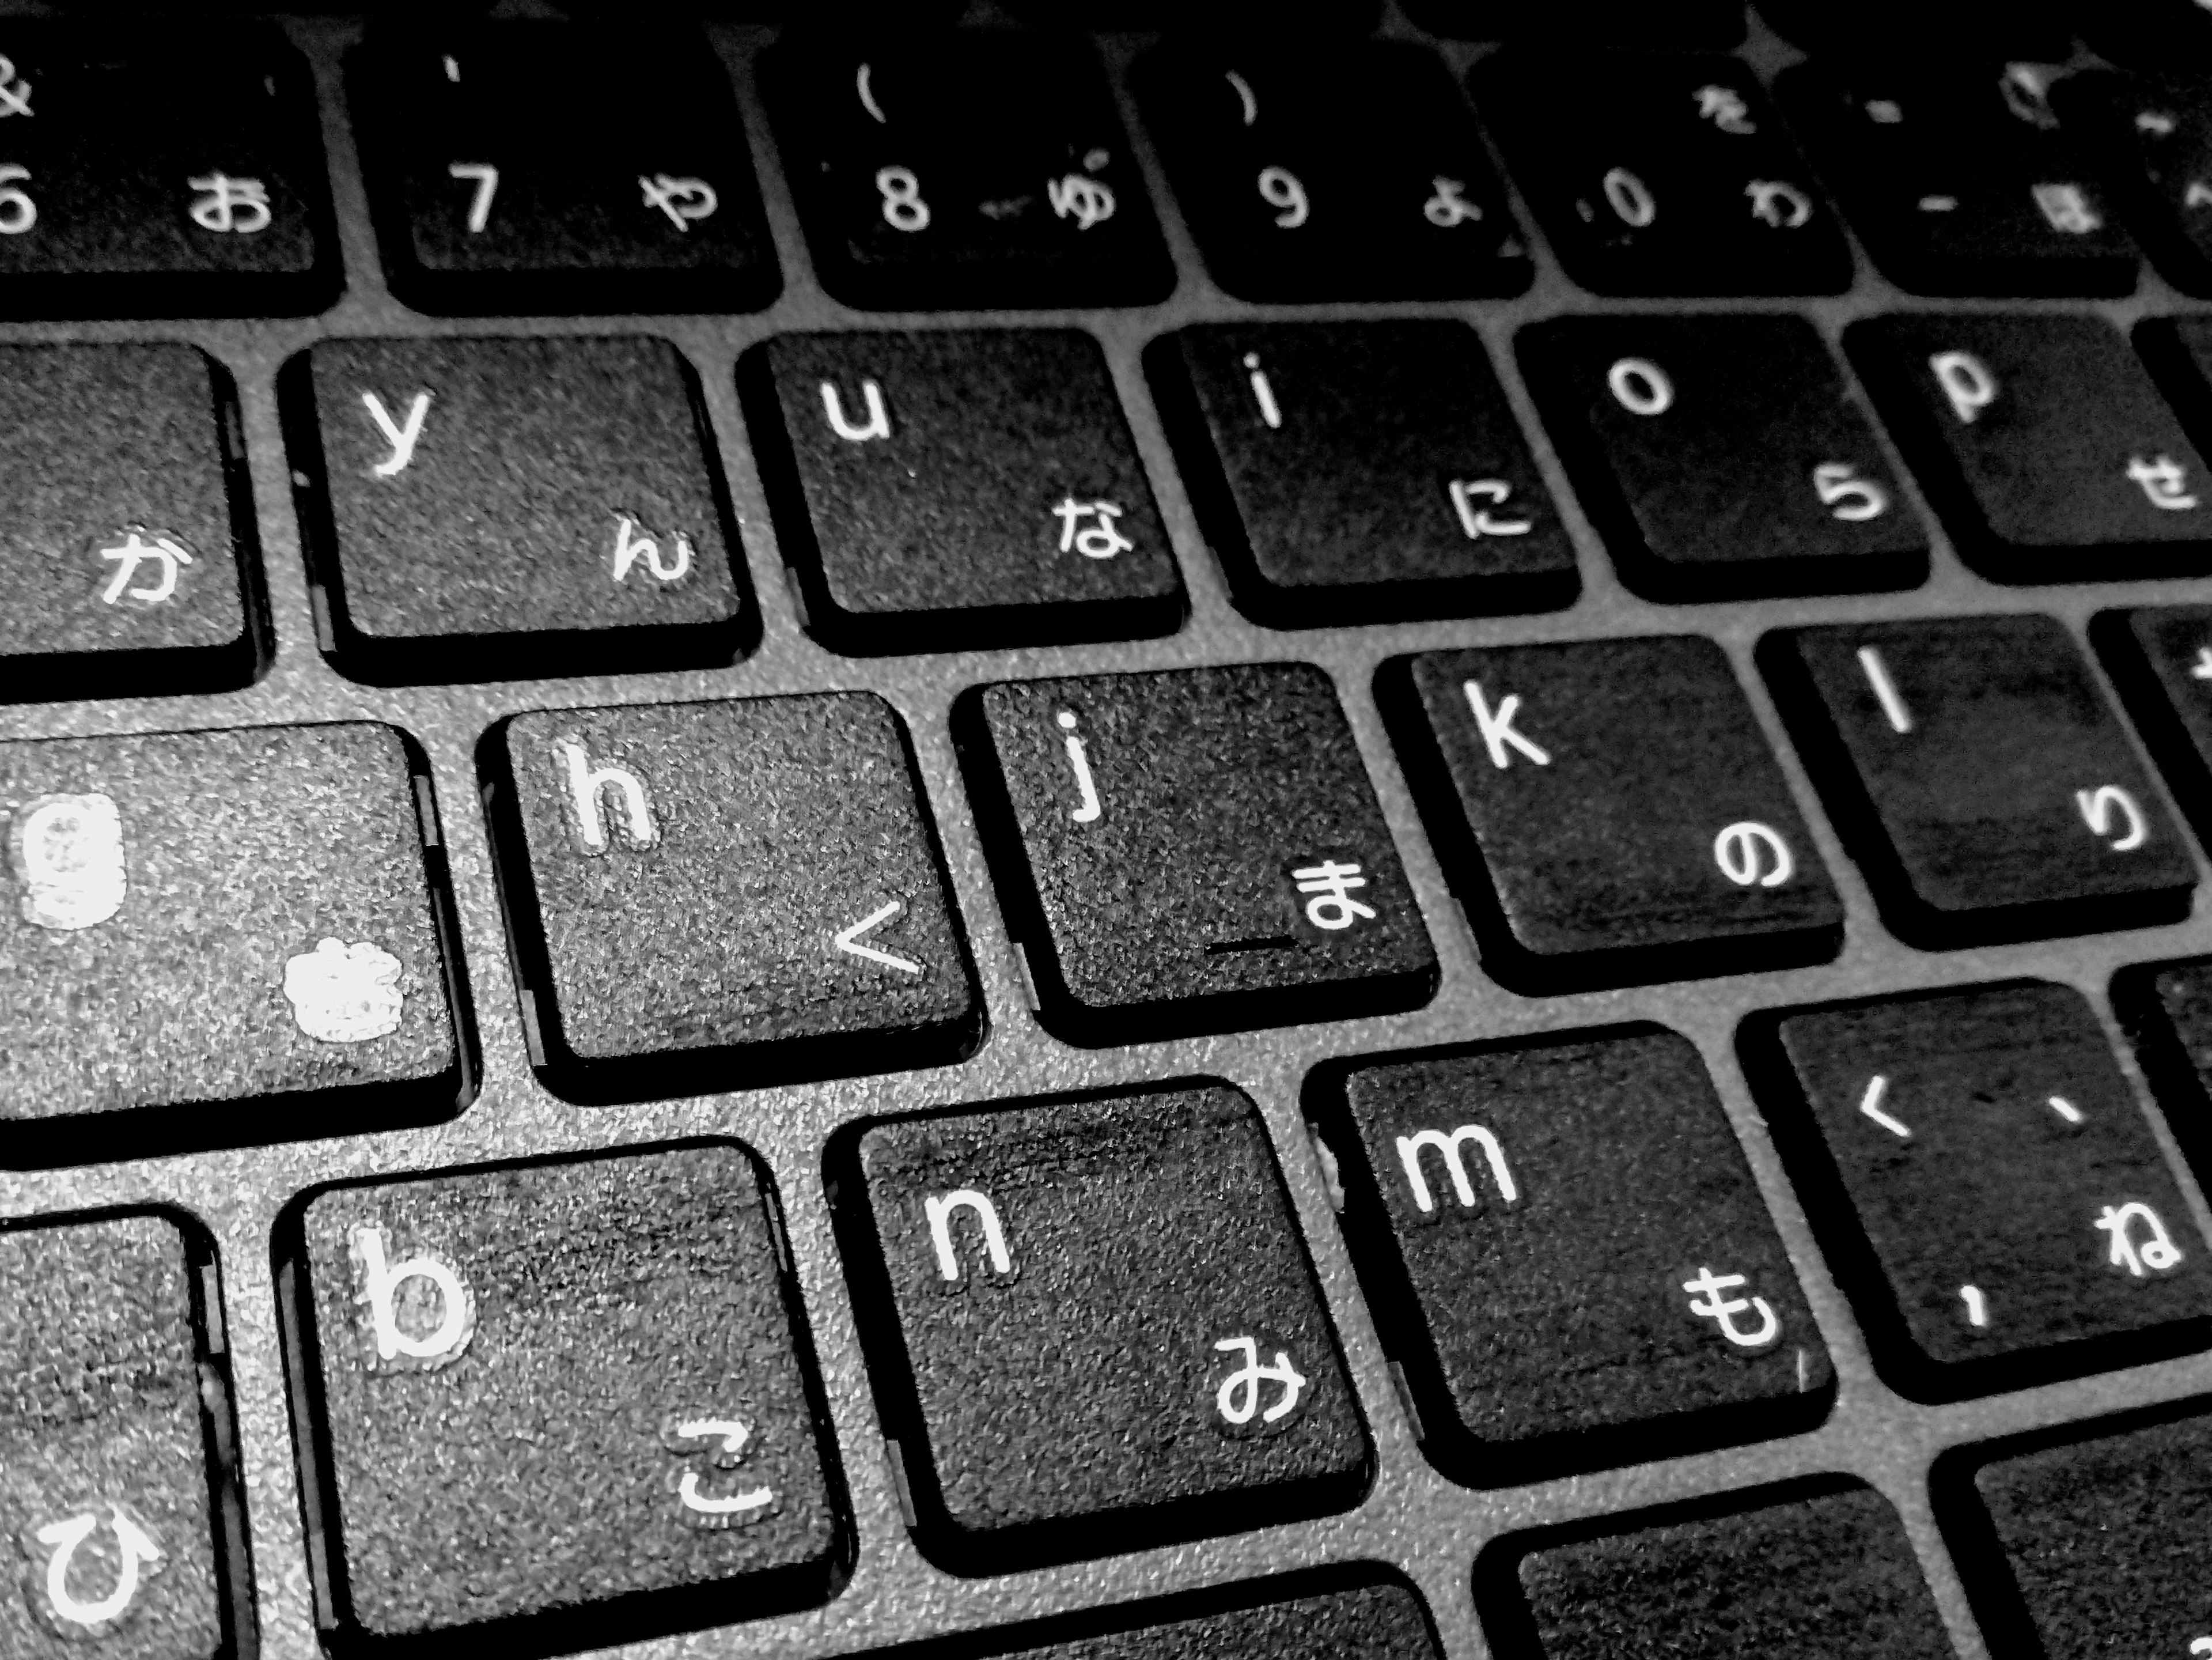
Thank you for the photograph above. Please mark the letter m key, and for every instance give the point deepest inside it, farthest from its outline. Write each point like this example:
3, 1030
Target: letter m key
1452, 1149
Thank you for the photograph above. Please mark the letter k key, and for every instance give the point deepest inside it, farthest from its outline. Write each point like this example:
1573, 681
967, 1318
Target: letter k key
1497, 731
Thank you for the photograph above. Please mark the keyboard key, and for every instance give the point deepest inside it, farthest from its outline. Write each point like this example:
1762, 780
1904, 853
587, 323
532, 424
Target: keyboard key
127, 1516
966, 170
1957, 179
1360, 470
127, 563
2044, 444
1062, 1382
1667, 174
483, 509
1550, 1314
2161, 660
718, 896
1722, 456
1352, 172
220, 937
1981, 780
1382, 1621
958, 488
1831, 1576
2089, 1547
492, 197
2153, 139
1997, 1206
610, 1342
211, 199
1609, 812
1194, 850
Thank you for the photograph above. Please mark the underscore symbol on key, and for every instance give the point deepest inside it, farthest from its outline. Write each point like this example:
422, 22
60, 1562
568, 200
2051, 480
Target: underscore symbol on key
1870, 1107
1884, 690
849, 940
403, 439
1090, 808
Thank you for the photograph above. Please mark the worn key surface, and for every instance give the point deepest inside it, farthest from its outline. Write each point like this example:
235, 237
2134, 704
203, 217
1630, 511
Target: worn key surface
2089, 1546
2043, 443
1981, 777
1352, 172
1377, 1621
1831, 1577
715, 895
968, 169
125, 1513
218, 937
1094, 1326
1609, 811
1721, 457
160, 171
128, 556
1988, 1187
1199, 849
2153, 137
553, 1405
1360, 470
1572, 1257
972, 489
488, 509
492, 196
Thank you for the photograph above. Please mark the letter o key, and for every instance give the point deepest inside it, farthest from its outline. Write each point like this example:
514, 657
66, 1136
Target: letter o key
1743, 849
1641, 386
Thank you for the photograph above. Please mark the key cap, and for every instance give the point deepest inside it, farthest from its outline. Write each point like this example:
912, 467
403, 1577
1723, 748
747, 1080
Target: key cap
2161, 660
1993, 1201
495, 193
1350, 172
1831, 1574
1194, 850
127, 564
1608, 813
1957, 179
973, 489
2153, 141
1383, 1621
2044, 444
1633, 1297
1980, 778
611, 1342
2087, 1546
967, 170
211, 199
1093, 1326
486, 509
1708, 25
1722, 456
715, 896
117, 1443
217, 938
1366, 470
1666, 174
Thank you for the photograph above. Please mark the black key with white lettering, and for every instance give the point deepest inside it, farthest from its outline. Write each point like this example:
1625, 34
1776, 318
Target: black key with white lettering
160, 173
609, 1344
967, 170
511, 169
1958, 178
126, 524
1722, 456
118, 1444
1829, 1575
1194, 850
1982, 778
2153, 140
2167, 1009
1381, 1619
2044, 444
1609, 812
2161, 660
482, 509
714, 896
1094, 1327
958, 488
2089, 1545
1987, 1185
1352, 172
1663, 175
212, 938
1572, 1258
1350, 471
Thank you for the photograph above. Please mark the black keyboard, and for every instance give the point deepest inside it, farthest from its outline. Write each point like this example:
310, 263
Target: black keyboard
1118, 832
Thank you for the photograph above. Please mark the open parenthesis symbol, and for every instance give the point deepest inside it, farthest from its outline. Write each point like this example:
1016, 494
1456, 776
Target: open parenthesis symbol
141, 1559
